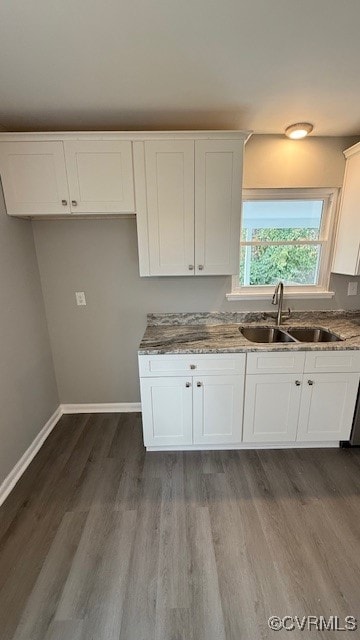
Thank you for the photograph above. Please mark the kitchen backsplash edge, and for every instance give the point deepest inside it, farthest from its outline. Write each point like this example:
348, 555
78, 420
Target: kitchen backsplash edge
236, 317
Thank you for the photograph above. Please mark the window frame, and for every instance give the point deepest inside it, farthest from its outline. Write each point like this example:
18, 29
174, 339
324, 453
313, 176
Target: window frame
326, 240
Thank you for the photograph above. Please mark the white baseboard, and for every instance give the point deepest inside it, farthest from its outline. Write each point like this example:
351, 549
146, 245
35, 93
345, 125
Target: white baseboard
15, 474
247, 446
111, 407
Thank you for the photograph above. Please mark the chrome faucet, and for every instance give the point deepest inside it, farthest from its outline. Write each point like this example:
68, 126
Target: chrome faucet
278, 299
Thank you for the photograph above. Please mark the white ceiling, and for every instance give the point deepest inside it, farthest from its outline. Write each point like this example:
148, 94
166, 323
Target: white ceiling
143, 64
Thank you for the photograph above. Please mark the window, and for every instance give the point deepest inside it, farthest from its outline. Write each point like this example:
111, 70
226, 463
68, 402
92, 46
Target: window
286, 235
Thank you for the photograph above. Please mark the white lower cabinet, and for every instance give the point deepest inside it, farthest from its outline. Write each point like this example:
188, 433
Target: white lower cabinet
218, 409
167, 411
224, 400
188, 410
272, 404
302, 407
192, 399
327, 406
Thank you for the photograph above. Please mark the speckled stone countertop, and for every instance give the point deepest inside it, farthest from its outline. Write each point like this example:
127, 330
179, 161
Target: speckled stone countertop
220, 332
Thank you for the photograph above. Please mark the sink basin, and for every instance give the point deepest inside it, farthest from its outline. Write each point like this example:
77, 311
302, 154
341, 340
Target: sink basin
295, 334
266, 334
313, 334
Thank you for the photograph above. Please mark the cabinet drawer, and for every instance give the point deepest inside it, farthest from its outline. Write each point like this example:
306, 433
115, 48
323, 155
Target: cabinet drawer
332, 361
187, 364
275, 362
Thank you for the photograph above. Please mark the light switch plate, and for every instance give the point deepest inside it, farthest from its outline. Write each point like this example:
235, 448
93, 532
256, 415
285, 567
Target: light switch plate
352, 288
80, 298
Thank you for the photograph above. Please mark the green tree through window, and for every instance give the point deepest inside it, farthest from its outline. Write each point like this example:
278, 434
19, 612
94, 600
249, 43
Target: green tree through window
293, 264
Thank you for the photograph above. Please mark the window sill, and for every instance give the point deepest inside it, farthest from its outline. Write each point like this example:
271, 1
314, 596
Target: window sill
236, 296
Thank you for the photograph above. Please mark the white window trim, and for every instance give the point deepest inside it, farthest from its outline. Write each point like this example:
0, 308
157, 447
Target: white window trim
327, 234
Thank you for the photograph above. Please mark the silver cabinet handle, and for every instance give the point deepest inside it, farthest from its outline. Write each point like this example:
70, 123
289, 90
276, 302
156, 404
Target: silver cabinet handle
199, 384
201, 267
191, 267
64, 203
187, 384
310, 383
298, 383
74, 203
193, 366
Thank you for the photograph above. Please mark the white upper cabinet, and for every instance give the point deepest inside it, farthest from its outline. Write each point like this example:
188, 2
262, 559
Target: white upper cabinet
100, 174
79, 176
169, 168
34, 178
184, 187
347, 250
218, 182
188, 197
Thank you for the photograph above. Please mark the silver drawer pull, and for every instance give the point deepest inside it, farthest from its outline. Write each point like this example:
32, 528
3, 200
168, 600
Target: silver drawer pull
74, 203
298, 383
310, 383
193, 366
200, 267
64, 203
191, 267
187, 384
199, 384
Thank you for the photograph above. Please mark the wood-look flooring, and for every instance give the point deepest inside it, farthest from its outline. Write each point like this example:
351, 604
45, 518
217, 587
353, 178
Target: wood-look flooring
102, 541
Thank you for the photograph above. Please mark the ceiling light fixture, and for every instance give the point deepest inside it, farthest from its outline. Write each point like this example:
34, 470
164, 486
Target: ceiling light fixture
299, 130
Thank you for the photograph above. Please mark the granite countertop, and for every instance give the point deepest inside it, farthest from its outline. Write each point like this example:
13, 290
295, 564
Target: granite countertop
219, 332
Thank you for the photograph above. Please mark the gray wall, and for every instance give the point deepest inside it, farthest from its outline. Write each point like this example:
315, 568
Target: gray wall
28, 392
94, 347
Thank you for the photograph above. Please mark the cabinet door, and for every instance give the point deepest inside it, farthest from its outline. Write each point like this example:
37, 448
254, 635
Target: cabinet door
34, 178
166, 405
272, 405
218, 409
100, 174
218, 188
327, 406
347, 254
170, 200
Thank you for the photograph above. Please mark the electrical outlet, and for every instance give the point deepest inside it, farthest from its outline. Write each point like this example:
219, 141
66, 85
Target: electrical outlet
352, 288
80, 298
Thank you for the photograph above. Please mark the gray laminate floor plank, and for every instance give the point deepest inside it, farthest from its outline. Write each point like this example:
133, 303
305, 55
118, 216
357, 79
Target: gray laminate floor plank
249, 589
96, 586
283, 529
174, 559
43, 601
139, 615
206, 607
64, 630
101, 541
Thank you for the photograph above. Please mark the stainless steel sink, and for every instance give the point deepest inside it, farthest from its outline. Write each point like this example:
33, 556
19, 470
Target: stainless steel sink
295, 334
313, 334
266, 334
